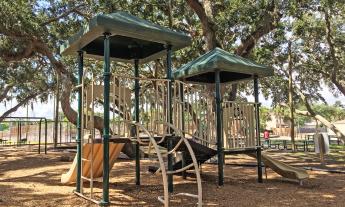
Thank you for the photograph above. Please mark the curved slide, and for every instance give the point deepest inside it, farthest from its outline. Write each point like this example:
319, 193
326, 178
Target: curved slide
284, 170
114, 151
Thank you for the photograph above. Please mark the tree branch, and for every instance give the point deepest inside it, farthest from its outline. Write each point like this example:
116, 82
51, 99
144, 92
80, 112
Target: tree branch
208, 26
335, 68
27, 52
269, 23
5, 91
65, 14
15, 108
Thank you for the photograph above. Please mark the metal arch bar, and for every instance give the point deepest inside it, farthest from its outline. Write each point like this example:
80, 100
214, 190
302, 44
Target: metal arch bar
106, 95
161, 163
195, 163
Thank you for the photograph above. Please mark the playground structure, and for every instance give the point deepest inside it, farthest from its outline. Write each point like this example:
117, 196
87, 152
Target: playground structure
120, 30
175, 113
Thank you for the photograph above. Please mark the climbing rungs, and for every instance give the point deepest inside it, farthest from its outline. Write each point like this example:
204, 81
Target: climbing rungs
86, 178
100, 179
161, 199
86, 160
87, 198
188, 195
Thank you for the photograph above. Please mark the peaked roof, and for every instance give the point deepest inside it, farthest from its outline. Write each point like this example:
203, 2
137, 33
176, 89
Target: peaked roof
232, 68
131, 38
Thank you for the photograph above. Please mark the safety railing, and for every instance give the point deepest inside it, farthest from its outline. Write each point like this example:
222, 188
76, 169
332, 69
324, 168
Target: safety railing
239, 124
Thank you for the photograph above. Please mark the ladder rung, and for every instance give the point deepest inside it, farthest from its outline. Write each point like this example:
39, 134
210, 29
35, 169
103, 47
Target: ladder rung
100, 179
86, 178
84, 159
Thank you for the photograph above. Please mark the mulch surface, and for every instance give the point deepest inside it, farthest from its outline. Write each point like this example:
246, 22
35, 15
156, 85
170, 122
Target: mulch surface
30, 179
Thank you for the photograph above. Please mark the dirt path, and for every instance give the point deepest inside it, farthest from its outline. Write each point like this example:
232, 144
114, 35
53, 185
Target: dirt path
29, 179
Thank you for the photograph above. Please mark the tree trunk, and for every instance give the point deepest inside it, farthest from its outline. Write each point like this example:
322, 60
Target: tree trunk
324, 121
310, 112
56, 118
336, 67
291, 103
206, 17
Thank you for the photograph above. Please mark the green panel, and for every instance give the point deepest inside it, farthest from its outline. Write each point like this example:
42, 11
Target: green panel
124, 47
231, 67
128, 31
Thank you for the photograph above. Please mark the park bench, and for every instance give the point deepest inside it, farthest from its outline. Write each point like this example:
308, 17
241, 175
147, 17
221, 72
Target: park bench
275, 144
3, 141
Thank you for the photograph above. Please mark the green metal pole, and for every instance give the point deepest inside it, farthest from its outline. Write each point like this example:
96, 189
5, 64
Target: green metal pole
184, 175
80, 77
170, 119
257, 121
106, 94
39, 136
19, 132
182, 111
219, 133
137, 114
45, 135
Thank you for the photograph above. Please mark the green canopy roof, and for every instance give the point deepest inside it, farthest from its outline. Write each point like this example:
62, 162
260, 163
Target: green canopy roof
231, 67
131, 38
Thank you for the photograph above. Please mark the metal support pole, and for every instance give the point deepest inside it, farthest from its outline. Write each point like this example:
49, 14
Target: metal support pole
258, 157
169, 118
60, 130
45, 135
18, 132
137, 118
56, 118
182, 108
39, 136
257, 121
106, 94
220, 152
79, 127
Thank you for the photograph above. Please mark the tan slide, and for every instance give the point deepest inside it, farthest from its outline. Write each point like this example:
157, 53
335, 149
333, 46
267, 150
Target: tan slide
114, 151
285, 170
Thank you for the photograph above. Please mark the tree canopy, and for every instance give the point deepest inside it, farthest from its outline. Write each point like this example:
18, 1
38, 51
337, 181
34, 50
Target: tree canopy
31, 33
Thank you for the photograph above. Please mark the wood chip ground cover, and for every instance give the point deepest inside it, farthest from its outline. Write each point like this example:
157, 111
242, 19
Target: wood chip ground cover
29, 179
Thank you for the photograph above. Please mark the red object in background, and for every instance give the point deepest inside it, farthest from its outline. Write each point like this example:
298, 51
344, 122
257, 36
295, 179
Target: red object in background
266, 134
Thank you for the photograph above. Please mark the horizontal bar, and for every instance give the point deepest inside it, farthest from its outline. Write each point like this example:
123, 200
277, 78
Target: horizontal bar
187, 194
87, 198
240, 102
180, 170
78, 86
239, 151
85, 178
114, 140
140, 78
